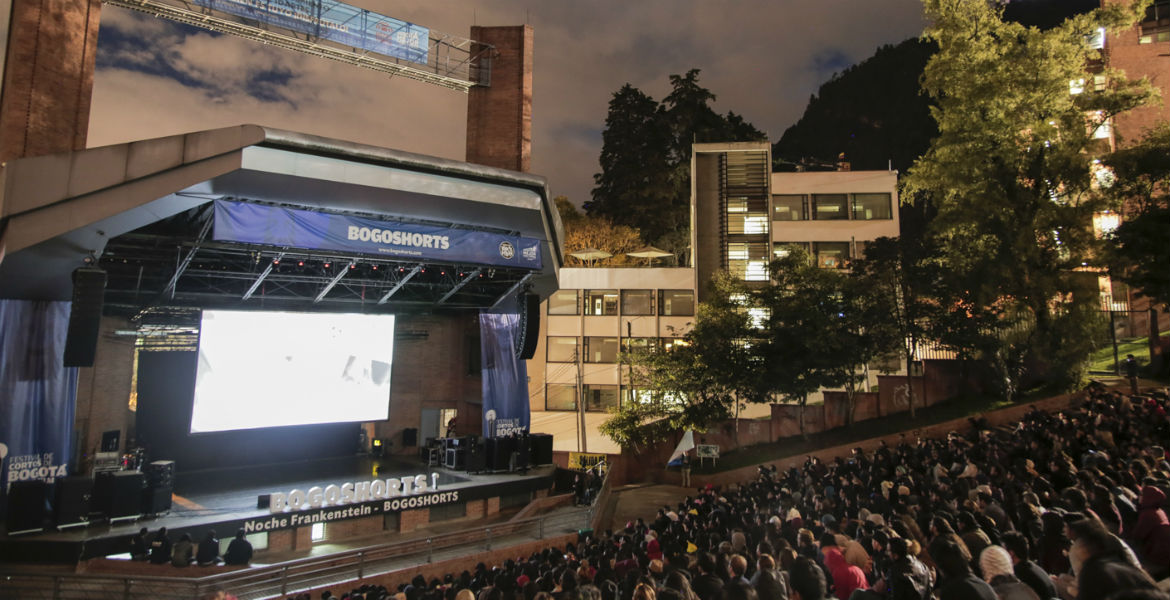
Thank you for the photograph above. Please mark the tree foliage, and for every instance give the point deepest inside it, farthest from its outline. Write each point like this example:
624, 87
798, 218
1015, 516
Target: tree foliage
644, 181
1010, 173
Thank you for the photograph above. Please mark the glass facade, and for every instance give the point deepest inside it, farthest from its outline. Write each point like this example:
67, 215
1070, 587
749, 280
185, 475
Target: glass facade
562, 349
676, 303
563, 302
637, 302
601, 349
599, 398
601, 302
868, 207
830, 207
560, 396
790, 207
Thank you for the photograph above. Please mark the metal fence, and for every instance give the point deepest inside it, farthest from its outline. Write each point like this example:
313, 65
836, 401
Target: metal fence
278, 580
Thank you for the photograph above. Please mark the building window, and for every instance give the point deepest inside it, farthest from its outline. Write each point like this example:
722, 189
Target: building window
676, 303
783, 249
560, 396
638, 343
601, 302
1096, 40
669, 343
748, 260
562, 349
601, 350
789, 207
599, 398
829, 207
317, 532
868, 207
563, 302
831, 255
637, 302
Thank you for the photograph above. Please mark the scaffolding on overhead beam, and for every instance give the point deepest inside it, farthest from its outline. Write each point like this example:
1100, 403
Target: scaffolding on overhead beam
452, 62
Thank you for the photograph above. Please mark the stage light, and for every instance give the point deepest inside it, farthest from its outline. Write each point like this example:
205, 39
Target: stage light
374, 267
401, 269
444, 272
422, 270
377, 443
328, 264
276, 261
352, 265
300, 263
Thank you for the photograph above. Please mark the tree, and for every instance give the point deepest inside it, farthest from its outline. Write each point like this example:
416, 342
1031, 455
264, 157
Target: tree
1011, 177
899, 270
698, 381
1139, 177
644, 181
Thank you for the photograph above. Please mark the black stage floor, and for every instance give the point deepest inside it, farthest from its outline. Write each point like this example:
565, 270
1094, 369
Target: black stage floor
222, 498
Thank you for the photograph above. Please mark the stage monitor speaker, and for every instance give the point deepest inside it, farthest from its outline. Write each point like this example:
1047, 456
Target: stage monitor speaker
71, 501
409, 437
531, 326
456, 458
110, 440
499, 453
156, 500
26, 507
85, 316
542, 448
118, 494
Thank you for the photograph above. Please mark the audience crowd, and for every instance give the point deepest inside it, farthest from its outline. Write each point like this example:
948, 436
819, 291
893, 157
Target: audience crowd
1069, 505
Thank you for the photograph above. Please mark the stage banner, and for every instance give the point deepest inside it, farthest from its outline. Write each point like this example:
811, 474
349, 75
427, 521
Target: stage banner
336, 22
505, 375
37, 393
276, 226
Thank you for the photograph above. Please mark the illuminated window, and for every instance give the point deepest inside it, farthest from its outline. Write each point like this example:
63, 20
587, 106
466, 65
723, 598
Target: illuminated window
601, 349
748, 260
1096, 40
676, 303
562, 349
831, 255
560, 396
563, 302
317, 532
637, 302
1076, 86
789, 207
783, 249
829, 207
601, 302
599, 398
869, 207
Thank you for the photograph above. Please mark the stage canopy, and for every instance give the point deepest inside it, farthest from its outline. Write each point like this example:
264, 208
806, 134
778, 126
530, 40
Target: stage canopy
253, 217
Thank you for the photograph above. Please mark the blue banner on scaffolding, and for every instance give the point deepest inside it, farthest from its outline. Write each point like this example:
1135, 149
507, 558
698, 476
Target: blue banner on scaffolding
275, 226
336, 22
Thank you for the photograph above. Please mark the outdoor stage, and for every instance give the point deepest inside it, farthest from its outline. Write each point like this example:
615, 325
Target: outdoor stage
225, 500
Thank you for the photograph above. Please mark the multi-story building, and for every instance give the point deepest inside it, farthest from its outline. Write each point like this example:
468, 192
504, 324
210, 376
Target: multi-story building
742, 215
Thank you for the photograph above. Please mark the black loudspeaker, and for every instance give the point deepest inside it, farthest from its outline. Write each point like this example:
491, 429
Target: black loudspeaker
156, 500
110, 440
71, 501
541, 448
118, 494
26, 507
499, 453
476, 457
531, 326
85, 316
161, 473
264, 501
409, 437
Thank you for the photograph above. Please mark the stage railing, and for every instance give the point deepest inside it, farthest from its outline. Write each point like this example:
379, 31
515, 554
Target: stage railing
279, 580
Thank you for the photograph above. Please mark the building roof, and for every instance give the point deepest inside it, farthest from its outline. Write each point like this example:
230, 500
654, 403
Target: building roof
141, 211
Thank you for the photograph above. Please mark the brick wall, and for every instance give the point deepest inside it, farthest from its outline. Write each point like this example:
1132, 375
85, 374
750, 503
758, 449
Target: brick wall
48, 76
103, 390
409, 520
1140, 60
499, 116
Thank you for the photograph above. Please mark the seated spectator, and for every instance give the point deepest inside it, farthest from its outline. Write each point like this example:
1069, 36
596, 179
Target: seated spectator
239, 551
140, 546
957, 581
806, 581
208, 553
183, 553
160, 547
996, 565
1025, 569
1101, 568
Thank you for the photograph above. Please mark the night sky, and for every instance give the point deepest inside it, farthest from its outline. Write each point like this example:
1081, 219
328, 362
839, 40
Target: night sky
761, 58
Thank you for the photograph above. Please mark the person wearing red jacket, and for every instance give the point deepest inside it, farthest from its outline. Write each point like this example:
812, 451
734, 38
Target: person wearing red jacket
846, 577
1151, 533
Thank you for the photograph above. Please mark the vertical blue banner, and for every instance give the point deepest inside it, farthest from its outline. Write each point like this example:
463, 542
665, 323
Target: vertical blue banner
505, 375
37, 393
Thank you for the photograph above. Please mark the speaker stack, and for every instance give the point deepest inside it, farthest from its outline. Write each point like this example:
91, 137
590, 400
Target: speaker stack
117, 495
476, 457
541, 445
160, 485
85, 315
26, 507
499, 453
530, 335
71, 501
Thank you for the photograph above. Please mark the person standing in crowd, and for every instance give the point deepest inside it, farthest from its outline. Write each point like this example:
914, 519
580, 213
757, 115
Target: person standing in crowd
208, 553
160, 547
239, 551
1130, 367
685, 468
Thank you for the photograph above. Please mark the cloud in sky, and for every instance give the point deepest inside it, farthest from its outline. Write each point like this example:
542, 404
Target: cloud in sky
761, 58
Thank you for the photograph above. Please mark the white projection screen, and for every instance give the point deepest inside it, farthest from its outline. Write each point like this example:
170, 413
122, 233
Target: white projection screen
273, 369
